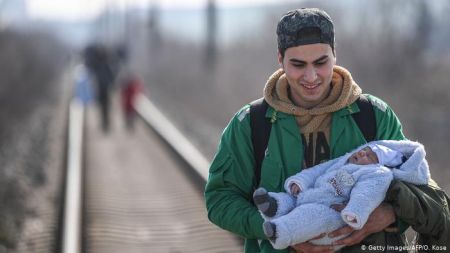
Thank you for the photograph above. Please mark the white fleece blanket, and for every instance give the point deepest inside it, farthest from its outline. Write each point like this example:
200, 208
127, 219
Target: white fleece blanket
363, 187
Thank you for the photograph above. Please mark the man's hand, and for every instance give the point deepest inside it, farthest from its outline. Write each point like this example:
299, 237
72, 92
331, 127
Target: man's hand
378, 220
307, 247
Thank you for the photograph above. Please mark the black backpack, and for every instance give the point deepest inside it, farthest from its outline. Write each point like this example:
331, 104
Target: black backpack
261, 126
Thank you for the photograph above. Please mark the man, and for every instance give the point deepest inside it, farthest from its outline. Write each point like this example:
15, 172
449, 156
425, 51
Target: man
97, 59
311, 101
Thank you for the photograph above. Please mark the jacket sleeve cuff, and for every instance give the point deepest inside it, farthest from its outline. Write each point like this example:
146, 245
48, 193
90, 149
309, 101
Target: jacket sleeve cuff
398, 226
257, 220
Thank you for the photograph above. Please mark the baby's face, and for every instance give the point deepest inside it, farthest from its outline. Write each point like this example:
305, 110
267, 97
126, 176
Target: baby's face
363, 157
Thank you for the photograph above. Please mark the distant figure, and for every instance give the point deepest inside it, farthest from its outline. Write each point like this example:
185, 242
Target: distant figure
83, 85
97, 60
130, 89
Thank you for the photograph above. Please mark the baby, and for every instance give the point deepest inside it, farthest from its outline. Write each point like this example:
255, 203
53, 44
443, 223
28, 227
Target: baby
360, 178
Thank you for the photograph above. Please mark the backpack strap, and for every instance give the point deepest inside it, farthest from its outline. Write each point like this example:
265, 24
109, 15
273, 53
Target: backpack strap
260, 127
365, 118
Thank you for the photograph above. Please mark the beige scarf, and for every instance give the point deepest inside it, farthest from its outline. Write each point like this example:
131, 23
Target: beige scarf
344, 91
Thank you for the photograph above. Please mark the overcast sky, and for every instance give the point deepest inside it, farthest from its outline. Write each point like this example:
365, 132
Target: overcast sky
87, 9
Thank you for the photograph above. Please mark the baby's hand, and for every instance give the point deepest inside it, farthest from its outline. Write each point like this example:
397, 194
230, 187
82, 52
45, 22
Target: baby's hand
295, 189
350, 218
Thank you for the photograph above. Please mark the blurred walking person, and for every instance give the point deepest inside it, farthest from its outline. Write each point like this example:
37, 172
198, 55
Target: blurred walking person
97, 61
130, 89
83, 85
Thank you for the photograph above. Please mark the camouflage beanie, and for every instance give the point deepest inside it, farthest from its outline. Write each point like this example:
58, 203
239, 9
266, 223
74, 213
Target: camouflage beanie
305, 26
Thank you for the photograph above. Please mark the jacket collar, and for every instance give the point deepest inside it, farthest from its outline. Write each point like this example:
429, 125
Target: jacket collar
286, 121
271, 112
350, 109
338, 122
291, 126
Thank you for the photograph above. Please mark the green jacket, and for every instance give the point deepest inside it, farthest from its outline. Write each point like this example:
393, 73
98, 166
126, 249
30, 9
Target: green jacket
426, 209
231, 179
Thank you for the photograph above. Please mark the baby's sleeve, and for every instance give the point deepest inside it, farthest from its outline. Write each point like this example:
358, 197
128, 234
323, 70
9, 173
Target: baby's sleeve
368, 192
306, 178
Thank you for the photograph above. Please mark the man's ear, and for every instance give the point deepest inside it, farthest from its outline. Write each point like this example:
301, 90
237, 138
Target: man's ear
280, 59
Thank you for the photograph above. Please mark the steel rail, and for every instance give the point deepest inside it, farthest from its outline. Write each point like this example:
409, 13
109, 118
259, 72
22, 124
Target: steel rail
189, 153
71, 237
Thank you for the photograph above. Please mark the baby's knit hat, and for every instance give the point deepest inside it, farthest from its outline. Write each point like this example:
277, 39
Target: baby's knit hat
386, 156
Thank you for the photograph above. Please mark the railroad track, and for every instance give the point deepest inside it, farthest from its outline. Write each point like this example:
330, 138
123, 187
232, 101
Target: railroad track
141, 193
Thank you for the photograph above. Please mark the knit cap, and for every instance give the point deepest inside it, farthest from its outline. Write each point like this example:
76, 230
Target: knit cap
386, 156
305, 26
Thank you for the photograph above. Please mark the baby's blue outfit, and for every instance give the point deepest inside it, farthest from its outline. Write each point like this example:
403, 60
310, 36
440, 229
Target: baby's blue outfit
363, 187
